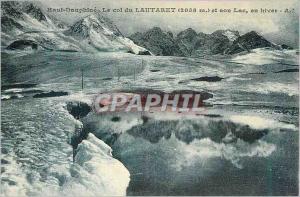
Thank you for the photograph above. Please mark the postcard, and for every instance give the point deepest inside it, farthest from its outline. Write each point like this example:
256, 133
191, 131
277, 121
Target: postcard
149, 98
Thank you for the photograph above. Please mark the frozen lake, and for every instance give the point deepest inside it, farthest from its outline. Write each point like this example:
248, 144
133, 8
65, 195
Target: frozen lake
166, 154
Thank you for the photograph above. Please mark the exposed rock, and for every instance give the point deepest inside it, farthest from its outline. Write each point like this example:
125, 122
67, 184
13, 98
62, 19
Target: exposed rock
100, 33
97, 23
187, 40
154, 70
146, 52
158, 42
190, 43
78, 109
186, 43
35, 12
208, 79
50, 94
18, 85
9, 24
284, 46
288, 70
214, 43
11, 8
116, 119
23, 44
248, 41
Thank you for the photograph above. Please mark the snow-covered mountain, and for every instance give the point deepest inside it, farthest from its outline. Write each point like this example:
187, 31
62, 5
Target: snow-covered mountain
25, 26
100, 33
18, 18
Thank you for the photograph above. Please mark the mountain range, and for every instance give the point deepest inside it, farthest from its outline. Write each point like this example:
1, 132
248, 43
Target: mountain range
191, 43
24, 25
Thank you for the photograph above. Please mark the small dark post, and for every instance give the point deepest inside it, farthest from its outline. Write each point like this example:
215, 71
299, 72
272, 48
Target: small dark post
82, 79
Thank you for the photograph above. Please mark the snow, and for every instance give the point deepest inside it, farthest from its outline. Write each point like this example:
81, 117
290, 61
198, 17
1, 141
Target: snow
39, 155
97, 172
13, 90
274, 87
230, 35
263, 56
97, 31
133, 47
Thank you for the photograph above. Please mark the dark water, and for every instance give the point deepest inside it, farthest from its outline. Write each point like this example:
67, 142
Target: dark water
168, 167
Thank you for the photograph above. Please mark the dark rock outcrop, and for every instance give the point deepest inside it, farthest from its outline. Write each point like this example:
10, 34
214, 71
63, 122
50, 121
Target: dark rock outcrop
35, 12
248, 41
22, 44
215, 43
78, 109
208, 79
288, 70
190, 43
50, 94
187, 41
9, 24
18, 9
158, 42
284, 46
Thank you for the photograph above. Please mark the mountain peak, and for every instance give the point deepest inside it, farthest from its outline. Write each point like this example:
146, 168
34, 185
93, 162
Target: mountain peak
94, 22
230, 34
189, 32
252, 34
16, 10
157, 41
156, 29
248, 41
35, 12
11, 8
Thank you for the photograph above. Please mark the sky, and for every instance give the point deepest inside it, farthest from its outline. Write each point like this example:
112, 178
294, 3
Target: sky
279, 27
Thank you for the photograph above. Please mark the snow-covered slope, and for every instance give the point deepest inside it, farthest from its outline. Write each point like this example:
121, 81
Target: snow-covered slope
261, 56
40, 162
25, 22
18, 18
100, 33
98, 172
231, 35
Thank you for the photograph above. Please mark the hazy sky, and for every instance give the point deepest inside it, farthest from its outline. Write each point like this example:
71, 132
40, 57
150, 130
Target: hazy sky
281, 26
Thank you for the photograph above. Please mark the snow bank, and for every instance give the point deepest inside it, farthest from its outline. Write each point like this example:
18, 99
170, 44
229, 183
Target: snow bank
263, 56
291, 89
96, 172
